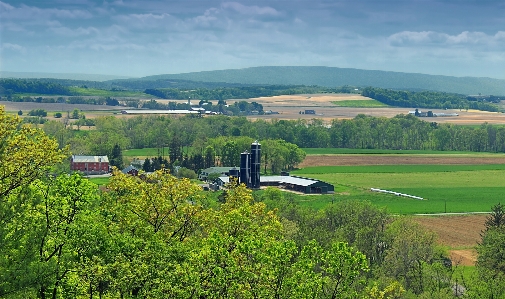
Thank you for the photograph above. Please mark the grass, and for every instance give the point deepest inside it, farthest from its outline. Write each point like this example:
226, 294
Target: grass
454, 188
79, 91
100, 181
360, 104
398, 168
466, 272
348, 151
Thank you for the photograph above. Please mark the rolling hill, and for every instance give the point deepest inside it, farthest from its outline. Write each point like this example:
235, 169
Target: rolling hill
335, 77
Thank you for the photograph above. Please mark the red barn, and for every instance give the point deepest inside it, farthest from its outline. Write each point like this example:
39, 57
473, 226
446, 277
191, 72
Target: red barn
90, 164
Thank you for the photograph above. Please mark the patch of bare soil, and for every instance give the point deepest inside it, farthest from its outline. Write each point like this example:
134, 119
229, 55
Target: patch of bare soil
350, 160
457, 231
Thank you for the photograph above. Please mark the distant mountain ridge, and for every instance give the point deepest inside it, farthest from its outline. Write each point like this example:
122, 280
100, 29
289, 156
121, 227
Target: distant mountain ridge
68, 76
335, 77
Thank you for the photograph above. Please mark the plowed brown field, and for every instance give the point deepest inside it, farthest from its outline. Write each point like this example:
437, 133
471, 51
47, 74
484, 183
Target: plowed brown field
335, 160
457, 231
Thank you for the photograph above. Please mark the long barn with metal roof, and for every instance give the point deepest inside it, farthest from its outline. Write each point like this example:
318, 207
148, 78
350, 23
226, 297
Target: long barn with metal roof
300, 184
295, 183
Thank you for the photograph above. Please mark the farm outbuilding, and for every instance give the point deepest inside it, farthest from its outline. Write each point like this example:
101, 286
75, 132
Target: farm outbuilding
131, 170
224, 171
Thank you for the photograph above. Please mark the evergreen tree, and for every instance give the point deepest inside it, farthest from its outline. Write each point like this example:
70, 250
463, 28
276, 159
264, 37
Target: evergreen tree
116, 157
497, 217
147, 165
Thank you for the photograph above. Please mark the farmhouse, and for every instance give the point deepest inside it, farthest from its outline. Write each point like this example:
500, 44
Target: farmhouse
90, 164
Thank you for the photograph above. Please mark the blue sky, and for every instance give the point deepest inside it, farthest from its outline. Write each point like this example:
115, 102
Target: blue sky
138, 38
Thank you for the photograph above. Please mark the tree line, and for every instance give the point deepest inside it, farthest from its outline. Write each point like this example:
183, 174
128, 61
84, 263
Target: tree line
431, 99
362, 132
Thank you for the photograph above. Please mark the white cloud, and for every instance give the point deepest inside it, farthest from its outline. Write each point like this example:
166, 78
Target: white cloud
431, 38
66, 31
13, 47
25, 12
149, 21
250, 10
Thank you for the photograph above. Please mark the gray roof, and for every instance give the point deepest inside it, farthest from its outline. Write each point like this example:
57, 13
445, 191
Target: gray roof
224, 179
288, 180
140, 111
90, 159
129, 168
218, 169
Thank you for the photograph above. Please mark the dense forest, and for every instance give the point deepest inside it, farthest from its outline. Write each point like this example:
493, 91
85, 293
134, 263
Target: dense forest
163, 237
9, 87
433, 100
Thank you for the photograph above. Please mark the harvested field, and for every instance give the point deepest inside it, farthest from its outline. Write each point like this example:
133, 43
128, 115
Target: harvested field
351, 160
457, 232
290, 106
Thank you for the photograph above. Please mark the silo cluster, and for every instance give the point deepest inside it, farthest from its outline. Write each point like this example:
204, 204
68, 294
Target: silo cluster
250, 166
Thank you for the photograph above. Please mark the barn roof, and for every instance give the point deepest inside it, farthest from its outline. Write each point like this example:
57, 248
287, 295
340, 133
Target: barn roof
89, 159
129, 168
288, 180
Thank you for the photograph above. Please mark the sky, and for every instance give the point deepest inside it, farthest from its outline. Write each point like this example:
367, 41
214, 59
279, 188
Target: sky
149, 37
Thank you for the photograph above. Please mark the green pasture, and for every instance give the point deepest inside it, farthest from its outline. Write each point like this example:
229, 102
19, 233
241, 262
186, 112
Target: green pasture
445, 188
351, 151
360, 104
105, 93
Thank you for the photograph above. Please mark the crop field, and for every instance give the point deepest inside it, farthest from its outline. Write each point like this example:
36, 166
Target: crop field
445, 188
348, 151
347, 106
360, 104
105, 93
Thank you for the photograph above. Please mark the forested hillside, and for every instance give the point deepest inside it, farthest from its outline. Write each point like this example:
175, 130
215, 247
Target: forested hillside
330, 77
334, 77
